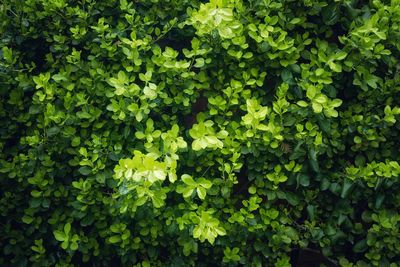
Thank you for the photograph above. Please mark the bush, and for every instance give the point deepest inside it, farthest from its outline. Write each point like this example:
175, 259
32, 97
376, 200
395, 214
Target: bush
194, 133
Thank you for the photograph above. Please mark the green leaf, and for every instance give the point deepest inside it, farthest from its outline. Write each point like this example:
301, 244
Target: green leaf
157, 200
187, 179
67, 228
303, 180
347, 185
302, 103
64, 245
85, 170
292, 199
59, 235
360, 246
331, 14
319, 72
201, 192
114, 239
313, 160
311, 92
204, 183
311, 212
27, 219
73, 246
187, 192
317, 107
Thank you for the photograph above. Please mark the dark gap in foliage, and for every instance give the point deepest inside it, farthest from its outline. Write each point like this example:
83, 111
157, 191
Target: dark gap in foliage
310, 258
35, 50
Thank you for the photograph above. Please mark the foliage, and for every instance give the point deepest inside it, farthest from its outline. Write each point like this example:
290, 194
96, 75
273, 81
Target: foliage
199, 133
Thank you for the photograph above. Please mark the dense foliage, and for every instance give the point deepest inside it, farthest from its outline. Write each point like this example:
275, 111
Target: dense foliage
195, 133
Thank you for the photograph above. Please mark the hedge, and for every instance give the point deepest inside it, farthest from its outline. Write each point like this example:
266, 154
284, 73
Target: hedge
196, 133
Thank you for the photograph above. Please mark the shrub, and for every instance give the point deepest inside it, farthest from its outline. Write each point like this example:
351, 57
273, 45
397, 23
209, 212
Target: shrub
194, 133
